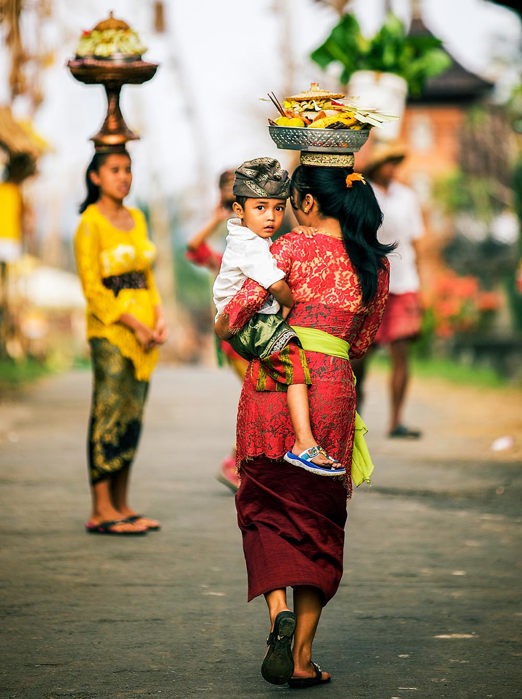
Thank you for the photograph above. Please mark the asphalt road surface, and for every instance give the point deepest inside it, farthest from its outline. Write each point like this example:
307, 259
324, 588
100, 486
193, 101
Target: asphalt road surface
430, 603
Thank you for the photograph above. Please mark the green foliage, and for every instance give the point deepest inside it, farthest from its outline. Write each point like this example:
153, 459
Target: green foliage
459, 192
517, 188
14, 374
390, 50
448, 369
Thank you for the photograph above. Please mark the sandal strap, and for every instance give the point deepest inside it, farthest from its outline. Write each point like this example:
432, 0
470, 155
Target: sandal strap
310, 453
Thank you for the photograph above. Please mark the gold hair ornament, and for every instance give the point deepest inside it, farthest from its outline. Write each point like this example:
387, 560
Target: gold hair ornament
354, 177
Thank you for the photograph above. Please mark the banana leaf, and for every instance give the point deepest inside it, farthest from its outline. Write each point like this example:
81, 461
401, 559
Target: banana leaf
390, 50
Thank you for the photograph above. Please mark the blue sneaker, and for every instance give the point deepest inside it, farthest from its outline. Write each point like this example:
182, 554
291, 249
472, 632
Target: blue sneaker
304, 460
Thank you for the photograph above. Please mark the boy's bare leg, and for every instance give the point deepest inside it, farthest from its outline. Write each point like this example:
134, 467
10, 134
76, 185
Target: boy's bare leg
299, 409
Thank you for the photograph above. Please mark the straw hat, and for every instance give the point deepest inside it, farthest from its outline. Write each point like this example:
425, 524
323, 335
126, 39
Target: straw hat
316, 93
384, 153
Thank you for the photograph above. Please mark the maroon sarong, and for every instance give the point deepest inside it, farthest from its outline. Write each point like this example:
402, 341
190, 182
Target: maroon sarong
292, 523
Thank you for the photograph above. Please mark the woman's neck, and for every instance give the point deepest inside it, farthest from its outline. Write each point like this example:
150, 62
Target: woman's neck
110, 206
329, 226
115, 212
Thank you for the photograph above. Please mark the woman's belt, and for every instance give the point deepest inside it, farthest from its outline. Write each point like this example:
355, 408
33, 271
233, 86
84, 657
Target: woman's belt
315, 340
129, 280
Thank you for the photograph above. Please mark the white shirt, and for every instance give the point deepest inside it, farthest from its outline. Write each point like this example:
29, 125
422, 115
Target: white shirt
402, 224
246, 256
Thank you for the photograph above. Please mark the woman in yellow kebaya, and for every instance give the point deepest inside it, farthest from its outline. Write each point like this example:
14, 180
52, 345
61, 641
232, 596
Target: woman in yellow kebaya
125, 324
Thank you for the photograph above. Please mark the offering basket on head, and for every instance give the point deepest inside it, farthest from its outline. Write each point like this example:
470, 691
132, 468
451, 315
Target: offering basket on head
321, 125
111, 55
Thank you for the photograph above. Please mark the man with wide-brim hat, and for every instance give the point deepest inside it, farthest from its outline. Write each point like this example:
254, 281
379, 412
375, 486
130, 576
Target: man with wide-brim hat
383, 153
401, 323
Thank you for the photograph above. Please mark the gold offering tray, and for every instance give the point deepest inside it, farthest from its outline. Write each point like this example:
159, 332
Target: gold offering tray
112, 73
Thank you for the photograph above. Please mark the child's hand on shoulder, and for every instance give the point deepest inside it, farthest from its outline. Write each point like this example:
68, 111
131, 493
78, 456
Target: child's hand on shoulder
308, 231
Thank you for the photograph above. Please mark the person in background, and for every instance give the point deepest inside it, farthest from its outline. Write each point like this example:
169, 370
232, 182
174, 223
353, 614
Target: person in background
125, 326
401, 323
199, 252
13, 236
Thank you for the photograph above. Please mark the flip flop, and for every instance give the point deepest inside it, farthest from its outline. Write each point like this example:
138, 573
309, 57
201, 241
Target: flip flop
304, 460
107, 528
135, 518
278, 663
303, 682
403, 432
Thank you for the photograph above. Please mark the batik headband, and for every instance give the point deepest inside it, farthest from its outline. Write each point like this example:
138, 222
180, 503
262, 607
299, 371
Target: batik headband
261, 178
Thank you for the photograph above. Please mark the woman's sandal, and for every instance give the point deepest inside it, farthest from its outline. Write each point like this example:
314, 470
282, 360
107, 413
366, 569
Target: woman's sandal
108, 527
151, 524
304, 460
278, 663
303, 682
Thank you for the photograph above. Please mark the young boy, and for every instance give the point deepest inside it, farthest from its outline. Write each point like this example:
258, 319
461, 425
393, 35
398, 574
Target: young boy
261, 188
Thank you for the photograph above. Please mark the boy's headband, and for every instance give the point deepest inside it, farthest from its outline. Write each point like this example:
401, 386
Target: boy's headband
261, 178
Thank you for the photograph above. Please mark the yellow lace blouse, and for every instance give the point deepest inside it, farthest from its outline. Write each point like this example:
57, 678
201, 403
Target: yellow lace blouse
102, 251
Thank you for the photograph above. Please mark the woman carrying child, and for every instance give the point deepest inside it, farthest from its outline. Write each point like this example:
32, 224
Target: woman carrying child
293, 522
261, 188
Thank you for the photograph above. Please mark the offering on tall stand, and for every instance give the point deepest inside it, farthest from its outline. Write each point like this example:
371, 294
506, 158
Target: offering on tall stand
110, 54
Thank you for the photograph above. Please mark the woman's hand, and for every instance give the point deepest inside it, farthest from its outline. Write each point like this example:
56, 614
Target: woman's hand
308, 231
145, 337
221, 328
143, 334
160, 329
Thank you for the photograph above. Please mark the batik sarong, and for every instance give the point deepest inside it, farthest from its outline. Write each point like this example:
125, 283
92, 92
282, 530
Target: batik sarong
118, 400
269, 338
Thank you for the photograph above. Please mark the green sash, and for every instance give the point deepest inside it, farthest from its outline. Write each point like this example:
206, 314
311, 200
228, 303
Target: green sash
319, 341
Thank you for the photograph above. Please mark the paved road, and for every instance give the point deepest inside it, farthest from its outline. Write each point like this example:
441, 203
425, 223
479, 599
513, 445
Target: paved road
429, 608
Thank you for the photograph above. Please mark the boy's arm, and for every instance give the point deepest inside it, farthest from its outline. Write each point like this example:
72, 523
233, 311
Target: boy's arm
281, 292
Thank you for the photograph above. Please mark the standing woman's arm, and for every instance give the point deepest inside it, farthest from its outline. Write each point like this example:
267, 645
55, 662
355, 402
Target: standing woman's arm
101, 301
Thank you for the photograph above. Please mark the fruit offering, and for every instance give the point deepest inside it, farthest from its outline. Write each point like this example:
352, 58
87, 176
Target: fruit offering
319, 109
110, 38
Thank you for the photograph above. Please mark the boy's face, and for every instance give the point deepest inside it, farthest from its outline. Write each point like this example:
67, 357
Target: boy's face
263, 216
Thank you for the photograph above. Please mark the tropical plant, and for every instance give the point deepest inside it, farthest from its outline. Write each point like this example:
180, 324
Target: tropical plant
391, 50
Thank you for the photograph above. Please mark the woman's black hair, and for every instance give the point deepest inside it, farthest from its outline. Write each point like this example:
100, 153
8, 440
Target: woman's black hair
93, 191
358, 212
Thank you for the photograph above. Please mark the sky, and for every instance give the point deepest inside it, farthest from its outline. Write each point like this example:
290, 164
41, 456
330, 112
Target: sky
204, 109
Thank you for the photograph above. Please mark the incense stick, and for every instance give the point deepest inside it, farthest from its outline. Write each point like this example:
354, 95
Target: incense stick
276, 103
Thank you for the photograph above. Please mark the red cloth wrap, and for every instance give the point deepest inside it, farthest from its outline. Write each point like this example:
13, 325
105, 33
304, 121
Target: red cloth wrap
292, 524
204, 256
402, 318
293, 521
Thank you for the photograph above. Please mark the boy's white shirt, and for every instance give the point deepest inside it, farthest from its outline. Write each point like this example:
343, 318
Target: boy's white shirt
246, 256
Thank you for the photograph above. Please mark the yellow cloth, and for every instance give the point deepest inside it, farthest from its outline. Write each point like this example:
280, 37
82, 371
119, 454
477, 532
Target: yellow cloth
10, 211
102, 251
319, 341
